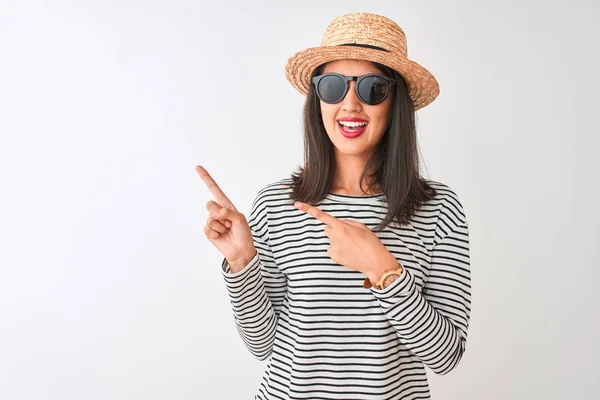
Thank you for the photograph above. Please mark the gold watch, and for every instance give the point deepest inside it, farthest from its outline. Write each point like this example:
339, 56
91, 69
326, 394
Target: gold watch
389, 276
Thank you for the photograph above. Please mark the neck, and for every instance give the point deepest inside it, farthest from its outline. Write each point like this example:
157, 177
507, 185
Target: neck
347, 179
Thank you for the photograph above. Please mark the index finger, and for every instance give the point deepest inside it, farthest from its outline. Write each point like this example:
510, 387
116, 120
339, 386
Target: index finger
214, 188
319, 214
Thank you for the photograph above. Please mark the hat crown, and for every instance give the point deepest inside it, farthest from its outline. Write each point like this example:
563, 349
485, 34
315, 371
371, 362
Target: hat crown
366, 29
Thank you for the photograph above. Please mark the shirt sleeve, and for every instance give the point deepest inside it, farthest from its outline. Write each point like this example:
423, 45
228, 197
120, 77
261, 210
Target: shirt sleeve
258, 290
433, 323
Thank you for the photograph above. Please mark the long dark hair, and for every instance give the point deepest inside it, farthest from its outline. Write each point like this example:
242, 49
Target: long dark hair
395, 161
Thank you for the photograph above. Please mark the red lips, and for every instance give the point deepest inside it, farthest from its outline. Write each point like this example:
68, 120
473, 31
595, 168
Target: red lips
352, 119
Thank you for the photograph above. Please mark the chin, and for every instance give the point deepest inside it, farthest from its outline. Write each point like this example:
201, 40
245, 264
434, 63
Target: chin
350, 150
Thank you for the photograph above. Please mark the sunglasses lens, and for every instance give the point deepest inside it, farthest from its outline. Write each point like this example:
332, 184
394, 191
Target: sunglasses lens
331, 88
373, 89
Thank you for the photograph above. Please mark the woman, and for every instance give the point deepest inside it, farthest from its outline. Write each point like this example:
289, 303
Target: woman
353, 274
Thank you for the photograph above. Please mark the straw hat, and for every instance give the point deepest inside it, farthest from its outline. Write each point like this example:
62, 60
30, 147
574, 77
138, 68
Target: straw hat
364, 36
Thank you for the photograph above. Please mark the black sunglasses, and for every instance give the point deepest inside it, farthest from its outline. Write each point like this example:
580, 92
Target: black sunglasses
371, 89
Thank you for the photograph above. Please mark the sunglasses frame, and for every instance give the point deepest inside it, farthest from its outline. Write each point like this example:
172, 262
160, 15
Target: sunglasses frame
317, 79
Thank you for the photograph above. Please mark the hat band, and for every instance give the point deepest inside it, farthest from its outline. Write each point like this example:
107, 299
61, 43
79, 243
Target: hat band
368, 46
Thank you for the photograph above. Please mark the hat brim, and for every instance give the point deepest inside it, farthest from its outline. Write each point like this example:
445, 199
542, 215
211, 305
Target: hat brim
422, 86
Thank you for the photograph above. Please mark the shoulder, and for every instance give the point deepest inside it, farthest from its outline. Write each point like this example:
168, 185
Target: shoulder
447, 206
273, 193
271, 202
446, 197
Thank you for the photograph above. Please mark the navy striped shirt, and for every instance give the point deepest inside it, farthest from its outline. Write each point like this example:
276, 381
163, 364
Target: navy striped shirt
327, 337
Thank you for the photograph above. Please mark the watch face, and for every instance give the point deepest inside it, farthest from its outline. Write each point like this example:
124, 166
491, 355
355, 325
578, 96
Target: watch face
391, 278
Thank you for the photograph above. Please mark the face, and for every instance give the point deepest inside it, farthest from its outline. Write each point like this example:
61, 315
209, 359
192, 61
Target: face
376, 117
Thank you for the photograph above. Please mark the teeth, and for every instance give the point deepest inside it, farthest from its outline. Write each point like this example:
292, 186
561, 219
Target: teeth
352, 124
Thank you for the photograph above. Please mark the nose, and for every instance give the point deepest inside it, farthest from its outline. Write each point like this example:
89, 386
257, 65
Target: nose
351, 102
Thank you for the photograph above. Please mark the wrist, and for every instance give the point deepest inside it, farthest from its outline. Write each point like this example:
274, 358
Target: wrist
390, 271
241, 262
390, 263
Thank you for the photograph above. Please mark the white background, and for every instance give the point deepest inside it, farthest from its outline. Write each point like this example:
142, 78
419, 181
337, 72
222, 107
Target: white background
108, 287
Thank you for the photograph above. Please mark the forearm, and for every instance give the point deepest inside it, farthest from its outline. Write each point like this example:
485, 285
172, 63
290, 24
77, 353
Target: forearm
431, 336
253, 311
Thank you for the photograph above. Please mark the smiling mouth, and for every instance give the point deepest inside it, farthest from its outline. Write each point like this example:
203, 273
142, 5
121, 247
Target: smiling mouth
352, 129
